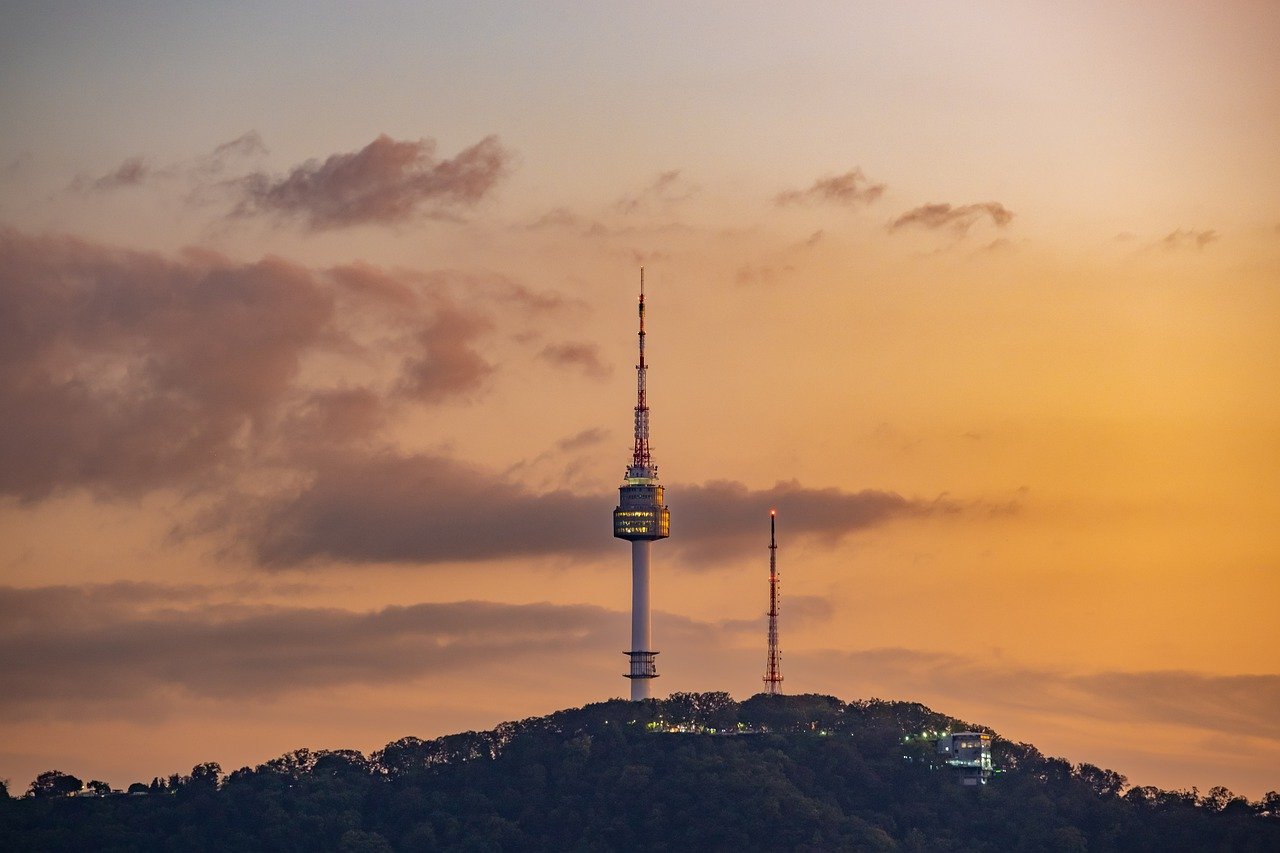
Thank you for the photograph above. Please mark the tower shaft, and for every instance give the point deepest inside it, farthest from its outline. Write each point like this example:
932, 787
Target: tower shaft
773, 666
644, 667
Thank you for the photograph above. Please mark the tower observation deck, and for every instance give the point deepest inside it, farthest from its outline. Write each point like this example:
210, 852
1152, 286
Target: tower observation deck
641, 517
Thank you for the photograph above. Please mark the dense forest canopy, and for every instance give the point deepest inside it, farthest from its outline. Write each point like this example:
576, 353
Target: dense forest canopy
694, 771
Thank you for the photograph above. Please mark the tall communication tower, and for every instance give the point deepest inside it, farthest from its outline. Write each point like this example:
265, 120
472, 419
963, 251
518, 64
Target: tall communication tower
641, 517
773, 668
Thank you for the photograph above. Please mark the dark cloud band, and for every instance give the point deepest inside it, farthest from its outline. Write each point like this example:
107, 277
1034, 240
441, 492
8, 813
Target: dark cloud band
428, 509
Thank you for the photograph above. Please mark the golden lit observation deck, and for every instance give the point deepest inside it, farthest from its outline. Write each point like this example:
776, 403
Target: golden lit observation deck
640, 514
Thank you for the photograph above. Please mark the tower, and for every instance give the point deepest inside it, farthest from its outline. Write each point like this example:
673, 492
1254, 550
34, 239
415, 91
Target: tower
773, 667
641, 517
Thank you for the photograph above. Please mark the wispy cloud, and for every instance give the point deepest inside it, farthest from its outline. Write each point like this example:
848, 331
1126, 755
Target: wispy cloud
850, 189
774, 270
587, 438
585, 357
135, 171
130, 173
386, 182
247, 144
666, 189
1189, 238
560, 217
958, 219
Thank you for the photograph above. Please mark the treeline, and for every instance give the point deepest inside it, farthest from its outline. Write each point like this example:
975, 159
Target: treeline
695, 771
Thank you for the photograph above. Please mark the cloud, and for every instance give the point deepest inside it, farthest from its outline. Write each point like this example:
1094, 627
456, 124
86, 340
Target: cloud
813, 239
666, 189
560, 217
205, 169
585, 357
959, 219
1000, 245
428, 509
806, 610
130, 173
850, 189
386, 182
724, 518
334, 418
199, 173
446, 363
128, 371
418, 508
1239, 704
248, 144
782, 264
587, 438
1181, 238
130, 645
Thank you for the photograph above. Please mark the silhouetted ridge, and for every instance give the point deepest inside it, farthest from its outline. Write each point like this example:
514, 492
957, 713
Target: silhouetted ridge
772, 772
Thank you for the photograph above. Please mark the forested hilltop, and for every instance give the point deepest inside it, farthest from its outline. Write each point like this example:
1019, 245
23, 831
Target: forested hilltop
693, 772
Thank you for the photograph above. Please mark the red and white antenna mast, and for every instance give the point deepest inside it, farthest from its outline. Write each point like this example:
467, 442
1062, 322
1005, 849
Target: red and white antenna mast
640, 458
773, 668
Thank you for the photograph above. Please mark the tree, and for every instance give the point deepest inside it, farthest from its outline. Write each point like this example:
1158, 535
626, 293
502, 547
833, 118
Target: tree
205, 776
1105, 783
340, 762
98, 788
54, 783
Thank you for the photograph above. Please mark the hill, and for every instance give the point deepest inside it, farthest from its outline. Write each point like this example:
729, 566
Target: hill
692, 772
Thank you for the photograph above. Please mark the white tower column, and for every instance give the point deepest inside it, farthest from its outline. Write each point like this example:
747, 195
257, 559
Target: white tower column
642, 663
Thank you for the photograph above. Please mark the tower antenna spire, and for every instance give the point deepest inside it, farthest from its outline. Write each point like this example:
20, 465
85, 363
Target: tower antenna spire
640, 457
641, 517
773, 667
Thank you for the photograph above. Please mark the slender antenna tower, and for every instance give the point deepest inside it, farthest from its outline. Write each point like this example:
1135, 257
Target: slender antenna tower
641, 517
773, 668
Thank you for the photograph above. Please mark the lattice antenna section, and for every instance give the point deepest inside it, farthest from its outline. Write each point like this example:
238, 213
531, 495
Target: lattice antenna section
773, 667
641, 457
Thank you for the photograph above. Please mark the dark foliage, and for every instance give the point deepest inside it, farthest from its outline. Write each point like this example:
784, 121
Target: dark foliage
696, 771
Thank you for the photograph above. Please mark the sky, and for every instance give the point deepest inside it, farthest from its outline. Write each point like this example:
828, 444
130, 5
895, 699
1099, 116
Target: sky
317, 331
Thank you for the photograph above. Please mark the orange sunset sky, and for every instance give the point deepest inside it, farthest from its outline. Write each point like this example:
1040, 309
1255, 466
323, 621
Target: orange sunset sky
317, 328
